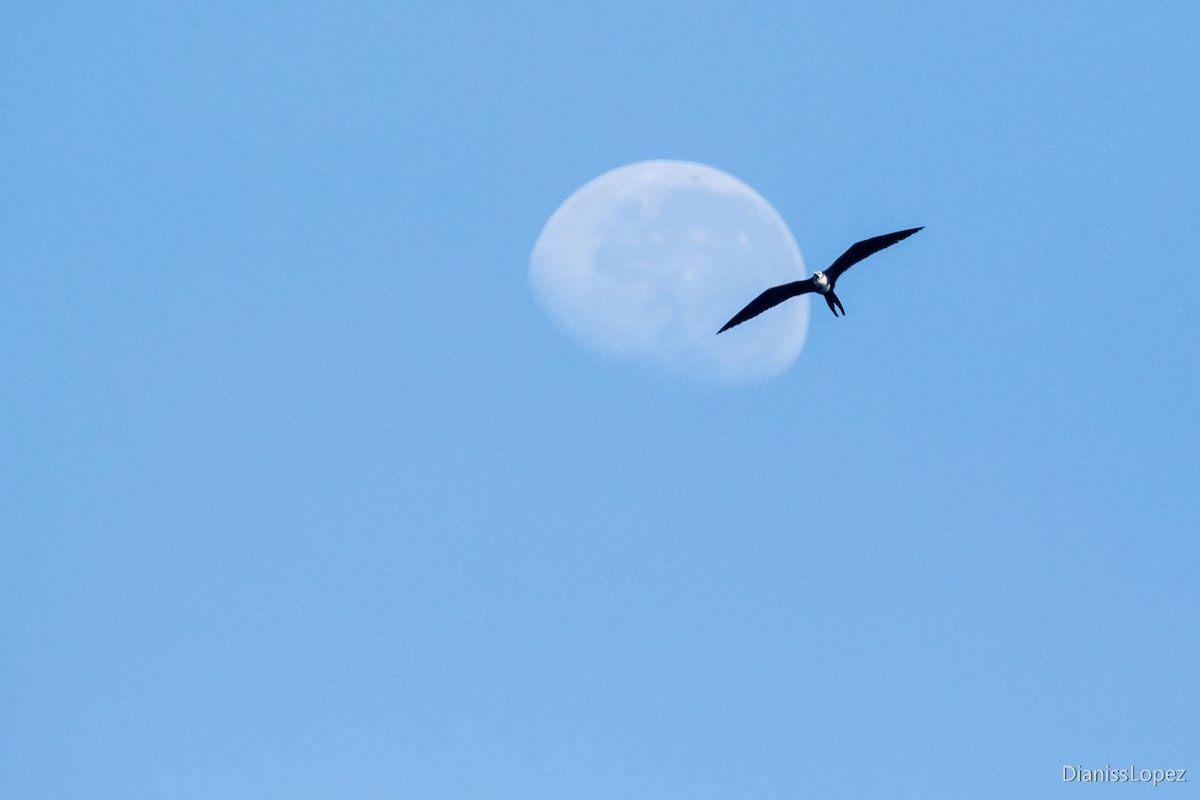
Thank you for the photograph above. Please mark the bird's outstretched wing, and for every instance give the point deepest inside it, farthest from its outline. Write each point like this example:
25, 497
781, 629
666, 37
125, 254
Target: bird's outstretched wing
858, 252
769, 299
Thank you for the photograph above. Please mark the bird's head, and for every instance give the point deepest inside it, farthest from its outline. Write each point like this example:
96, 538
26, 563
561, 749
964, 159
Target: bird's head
820, 279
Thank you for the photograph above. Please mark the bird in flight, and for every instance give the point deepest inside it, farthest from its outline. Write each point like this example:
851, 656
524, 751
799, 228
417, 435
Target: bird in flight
821, 282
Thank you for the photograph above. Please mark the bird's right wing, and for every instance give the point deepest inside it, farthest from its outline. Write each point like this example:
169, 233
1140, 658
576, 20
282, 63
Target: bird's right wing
769, 299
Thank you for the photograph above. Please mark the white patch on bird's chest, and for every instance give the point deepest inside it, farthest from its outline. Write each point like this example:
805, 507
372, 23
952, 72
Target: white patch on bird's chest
821, 282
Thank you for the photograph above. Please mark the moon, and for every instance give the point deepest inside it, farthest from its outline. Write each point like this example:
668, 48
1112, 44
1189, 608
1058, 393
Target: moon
646, 262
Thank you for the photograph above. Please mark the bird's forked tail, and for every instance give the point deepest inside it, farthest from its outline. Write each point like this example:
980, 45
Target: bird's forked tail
831, 300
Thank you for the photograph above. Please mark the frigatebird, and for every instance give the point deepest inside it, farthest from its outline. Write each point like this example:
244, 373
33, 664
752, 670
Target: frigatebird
821, 282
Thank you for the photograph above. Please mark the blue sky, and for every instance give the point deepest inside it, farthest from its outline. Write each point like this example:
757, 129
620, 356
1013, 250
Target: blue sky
302, 494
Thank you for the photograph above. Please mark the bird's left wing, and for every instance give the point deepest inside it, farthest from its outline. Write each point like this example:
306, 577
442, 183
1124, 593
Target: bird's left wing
861, 250
769, 299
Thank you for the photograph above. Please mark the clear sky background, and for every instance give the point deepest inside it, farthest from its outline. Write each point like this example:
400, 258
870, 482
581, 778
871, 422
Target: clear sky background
302, 495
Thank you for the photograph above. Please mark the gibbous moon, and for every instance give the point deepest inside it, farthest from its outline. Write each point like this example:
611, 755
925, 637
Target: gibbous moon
648, 261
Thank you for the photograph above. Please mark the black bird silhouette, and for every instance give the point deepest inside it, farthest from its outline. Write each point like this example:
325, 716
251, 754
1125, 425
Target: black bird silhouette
821, 282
